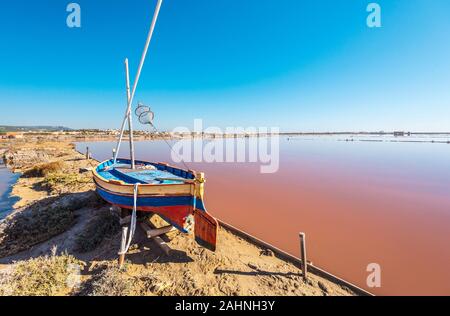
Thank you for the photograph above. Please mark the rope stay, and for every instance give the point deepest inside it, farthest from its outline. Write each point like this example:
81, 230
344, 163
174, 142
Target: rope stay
132, 229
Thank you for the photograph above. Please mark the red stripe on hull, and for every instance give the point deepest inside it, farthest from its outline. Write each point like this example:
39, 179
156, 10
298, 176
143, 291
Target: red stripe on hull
175, 214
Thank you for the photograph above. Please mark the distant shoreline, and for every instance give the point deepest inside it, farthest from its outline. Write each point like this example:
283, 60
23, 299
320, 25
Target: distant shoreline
240, 132
76, 137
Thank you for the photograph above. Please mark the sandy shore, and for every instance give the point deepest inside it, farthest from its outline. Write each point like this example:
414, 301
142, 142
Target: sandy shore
238, 267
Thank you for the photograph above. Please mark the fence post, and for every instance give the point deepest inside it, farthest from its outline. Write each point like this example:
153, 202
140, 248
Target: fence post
123, 245
303, 256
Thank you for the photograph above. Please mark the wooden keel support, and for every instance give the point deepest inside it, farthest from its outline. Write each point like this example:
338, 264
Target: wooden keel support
154, 232
162, 244
151, 233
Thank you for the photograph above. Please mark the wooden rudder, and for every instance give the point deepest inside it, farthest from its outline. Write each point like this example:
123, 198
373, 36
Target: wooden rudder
205, 230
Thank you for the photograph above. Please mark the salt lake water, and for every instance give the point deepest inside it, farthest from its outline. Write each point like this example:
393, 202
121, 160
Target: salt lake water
7, 180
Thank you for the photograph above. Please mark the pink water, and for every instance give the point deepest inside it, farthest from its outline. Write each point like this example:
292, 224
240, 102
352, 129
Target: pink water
358, 203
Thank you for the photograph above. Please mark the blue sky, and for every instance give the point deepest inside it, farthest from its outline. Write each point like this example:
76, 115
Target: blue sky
295, 64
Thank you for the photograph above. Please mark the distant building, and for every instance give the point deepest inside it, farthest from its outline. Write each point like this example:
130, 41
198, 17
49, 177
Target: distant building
14, 135
399, 134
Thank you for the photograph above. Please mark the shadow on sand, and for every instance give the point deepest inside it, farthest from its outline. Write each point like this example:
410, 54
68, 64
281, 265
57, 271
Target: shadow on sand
256, 272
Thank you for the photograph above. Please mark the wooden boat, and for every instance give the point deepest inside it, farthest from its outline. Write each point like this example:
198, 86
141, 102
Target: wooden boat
175, 194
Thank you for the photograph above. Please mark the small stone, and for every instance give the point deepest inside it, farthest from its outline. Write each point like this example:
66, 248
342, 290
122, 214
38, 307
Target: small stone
159, 287
267, 252
134, 247
323, 287
252, 266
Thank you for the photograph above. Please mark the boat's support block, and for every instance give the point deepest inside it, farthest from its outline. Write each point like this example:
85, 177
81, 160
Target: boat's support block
148, 228
155, 233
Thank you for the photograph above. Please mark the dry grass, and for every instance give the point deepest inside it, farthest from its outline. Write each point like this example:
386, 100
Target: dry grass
65, 182
43, 170
43, 276
28, 229
40, 222
112, 281
105, 225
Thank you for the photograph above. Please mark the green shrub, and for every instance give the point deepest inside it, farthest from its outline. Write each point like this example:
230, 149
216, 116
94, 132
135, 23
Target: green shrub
64, 181
43, 170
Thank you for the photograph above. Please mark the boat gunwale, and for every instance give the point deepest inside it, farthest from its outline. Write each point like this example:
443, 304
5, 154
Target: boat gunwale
144, 195
124, 184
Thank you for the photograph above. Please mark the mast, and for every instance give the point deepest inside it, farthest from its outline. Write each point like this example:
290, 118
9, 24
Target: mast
138, 74
130, 118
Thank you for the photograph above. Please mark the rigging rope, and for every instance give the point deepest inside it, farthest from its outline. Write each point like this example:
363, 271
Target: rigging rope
146, 117
133, 220
172, 150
